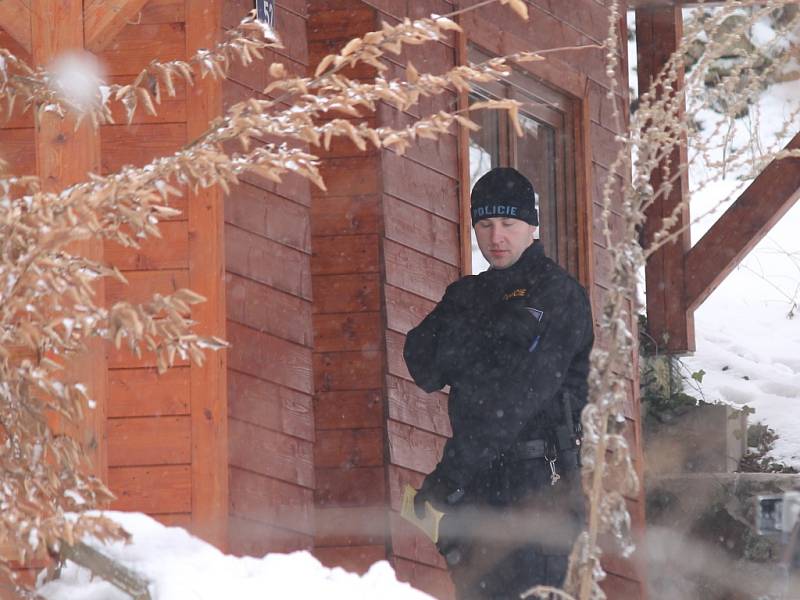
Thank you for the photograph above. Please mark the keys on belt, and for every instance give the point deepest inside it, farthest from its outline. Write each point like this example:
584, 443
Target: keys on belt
551, 461
533, 449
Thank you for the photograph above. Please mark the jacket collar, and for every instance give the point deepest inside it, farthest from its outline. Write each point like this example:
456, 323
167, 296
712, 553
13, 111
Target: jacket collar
530, 257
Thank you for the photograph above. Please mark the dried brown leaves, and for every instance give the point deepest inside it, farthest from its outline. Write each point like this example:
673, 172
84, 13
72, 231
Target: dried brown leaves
38, 90
48, 314
518, 6
390, 38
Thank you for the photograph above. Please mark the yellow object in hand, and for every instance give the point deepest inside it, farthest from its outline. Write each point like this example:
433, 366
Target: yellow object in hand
429, 524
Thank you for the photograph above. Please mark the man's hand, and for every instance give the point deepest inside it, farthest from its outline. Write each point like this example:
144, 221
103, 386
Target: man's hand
446, 498
440, 493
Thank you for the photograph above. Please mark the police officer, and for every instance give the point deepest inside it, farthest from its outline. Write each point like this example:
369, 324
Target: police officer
513, 344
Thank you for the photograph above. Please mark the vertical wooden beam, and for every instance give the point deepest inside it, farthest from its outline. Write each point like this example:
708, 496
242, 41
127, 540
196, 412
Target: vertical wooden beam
465, 225
206, 276
583, 192
64, 156
670, 323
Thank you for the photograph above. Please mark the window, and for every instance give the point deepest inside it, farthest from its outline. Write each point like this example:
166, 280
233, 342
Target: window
545, 154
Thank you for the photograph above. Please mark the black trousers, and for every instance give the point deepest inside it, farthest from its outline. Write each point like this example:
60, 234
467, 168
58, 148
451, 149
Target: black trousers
518, 532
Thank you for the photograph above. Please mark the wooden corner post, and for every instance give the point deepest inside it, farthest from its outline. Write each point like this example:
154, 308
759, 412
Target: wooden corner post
64, 156
465, 225
207, 277
669, 321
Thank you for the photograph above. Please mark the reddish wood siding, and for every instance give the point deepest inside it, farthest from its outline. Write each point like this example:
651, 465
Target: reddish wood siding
424, 577
163, 437
357, 559
348, 329
350, 526
250, 537
145, 393
422, 255
165, 432
268, 297
154, 489
149, 424
19, 150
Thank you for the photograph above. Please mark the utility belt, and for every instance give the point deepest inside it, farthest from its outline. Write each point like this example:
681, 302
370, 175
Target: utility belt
564, 439
555, 442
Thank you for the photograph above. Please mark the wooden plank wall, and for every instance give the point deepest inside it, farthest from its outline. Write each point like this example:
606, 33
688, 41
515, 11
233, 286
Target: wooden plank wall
581, 75
17, 142
268, 293
349, 360
385, 242
421, 256
158, 428
149, 417
18, 149
64, 155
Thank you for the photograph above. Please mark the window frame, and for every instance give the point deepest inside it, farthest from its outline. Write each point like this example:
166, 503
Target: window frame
564, 113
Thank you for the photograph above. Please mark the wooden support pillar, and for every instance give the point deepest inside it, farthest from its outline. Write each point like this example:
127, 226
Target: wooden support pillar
207, 277
670, 323
65, 156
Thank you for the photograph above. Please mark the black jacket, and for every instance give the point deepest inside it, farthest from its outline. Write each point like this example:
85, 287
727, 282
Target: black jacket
512, 344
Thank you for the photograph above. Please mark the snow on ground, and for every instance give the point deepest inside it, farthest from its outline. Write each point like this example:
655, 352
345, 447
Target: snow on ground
747, 342
182, 567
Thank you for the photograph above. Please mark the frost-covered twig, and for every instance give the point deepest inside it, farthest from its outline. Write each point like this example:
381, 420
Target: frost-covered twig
657, 129
547, 592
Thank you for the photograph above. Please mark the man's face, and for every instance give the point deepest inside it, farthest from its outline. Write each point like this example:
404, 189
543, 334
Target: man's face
502, 240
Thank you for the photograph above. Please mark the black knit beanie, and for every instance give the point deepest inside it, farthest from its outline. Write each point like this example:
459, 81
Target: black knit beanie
504, 192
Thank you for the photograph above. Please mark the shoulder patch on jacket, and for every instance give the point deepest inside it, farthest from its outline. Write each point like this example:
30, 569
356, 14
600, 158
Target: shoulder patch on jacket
537, 314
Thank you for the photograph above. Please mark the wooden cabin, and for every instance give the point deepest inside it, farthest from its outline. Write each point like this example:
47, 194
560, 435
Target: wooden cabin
302, 435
